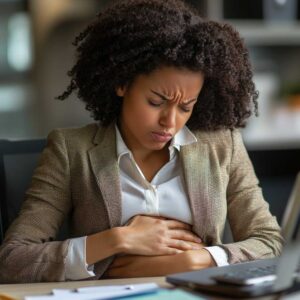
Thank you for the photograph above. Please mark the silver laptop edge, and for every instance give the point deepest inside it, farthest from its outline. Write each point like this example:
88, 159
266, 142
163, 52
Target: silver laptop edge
290, 257
291, 213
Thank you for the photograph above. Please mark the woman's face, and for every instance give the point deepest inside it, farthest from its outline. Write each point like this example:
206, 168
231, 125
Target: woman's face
156, 106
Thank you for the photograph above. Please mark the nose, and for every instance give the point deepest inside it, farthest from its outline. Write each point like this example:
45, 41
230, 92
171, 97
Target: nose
168, 117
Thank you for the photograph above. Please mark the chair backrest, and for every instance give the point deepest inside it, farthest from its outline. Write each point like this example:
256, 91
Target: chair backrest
17, 162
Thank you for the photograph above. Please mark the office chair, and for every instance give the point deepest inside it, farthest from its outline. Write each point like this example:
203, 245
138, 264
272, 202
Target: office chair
17, 162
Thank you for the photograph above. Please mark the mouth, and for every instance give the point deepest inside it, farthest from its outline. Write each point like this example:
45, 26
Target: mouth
161, 137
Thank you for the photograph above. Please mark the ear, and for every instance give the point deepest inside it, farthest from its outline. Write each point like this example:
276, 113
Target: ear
121, 90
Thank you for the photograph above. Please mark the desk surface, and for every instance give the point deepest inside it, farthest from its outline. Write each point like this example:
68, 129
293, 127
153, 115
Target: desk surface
18, 291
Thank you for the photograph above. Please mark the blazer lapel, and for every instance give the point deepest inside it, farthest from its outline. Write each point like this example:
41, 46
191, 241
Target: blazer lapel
195, 165
104, 164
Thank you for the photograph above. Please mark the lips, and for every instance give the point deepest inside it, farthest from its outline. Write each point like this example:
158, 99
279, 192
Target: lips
161, 137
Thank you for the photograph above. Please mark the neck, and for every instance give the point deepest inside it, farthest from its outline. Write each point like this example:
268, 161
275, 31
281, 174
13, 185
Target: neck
148, 155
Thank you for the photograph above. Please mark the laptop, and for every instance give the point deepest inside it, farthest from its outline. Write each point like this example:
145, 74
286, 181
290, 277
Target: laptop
259, 277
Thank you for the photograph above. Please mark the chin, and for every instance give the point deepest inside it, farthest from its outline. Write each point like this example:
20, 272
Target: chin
157, 146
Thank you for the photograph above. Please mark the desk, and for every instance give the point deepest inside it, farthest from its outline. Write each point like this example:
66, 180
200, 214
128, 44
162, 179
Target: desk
18, 291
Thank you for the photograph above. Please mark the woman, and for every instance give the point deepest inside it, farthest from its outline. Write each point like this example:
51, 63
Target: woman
150, 184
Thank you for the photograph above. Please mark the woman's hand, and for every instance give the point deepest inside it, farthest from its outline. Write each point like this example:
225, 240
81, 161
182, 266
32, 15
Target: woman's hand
146, 235
145, 266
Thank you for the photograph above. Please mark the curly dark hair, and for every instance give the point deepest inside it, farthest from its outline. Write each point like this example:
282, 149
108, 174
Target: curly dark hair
134, 37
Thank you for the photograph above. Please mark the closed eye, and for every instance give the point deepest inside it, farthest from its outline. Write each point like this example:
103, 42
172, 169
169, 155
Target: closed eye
185, 109
155, 103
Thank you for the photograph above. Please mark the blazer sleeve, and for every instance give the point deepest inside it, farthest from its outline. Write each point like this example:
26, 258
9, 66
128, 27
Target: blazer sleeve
29, 252
255, 230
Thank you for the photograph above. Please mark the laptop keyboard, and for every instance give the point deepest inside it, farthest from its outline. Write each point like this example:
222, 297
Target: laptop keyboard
254, 275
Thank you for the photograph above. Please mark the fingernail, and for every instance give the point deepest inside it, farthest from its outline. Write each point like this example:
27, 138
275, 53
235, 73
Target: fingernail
199, 240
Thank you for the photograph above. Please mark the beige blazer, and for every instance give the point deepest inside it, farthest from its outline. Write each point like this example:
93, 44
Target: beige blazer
78, 175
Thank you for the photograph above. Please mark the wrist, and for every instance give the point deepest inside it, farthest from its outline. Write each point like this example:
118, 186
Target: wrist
219, 255
102, 245
200, 259
208, 259
122, 239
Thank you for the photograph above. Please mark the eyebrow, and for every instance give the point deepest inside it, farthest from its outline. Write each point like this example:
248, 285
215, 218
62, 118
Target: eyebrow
168, 99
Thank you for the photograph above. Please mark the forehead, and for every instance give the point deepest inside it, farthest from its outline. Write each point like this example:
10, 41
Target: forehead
171, 80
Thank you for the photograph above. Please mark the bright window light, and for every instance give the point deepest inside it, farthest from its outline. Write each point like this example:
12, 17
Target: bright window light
19, 46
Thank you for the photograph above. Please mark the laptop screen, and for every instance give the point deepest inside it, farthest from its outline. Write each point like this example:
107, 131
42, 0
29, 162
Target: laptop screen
291, 217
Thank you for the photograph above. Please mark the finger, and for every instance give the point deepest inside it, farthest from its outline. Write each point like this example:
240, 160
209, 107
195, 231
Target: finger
131, 220
151, 217
171, 251
185, 235
180, 245
173, 224
196, 246
156, 217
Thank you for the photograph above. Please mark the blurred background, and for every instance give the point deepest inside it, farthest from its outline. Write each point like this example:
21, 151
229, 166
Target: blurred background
36, 52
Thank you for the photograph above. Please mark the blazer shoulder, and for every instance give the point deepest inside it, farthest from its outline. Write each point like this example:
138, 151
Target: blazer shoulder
75, 137
218, 137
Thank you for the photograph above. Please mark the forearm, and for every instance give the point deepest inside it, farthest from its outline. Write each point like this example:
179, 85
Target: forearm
22, 262
141, 266
187, 261
108, 243
145, 266
104, 244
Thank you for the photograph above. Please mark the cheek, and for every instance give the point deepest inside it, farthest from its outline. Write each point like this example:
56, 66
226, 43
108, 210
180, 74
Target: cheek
139, 116
182, 119
145, 114
131, 111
